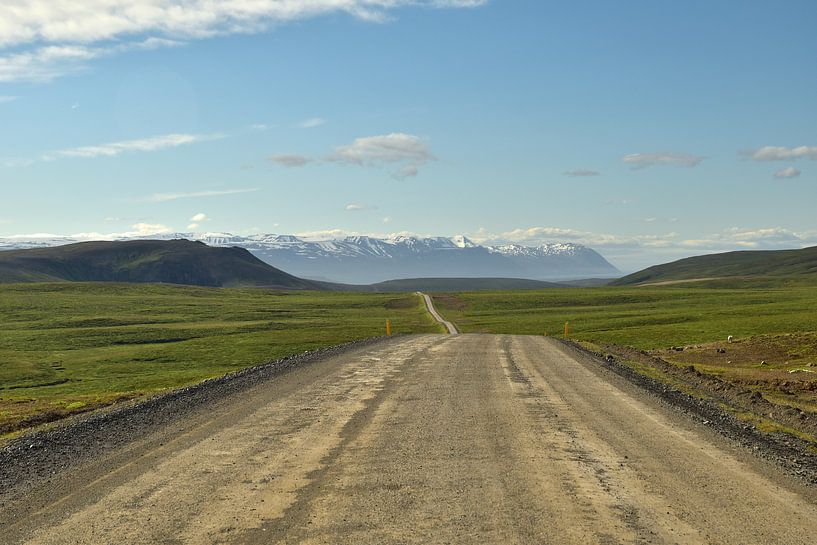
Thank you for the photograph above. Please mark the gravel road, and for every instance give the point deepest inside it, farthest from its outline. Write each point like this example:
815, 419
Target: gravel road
451, 328
425, 439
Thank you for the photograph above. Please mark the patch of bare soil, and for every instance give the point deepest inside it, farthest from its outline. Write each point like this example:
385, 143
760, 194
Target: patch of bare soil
452, 302
783, 366
401, 302
769, 394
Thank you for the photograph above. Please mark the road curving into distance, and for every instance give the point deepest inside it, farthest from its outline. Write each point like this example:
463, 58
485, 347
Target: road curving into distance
425, 439
450, 327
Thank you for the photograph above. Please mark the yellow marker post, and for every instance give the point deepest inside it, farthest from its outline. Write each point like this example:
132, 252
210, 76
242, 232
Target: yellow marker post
388, 328
567, 329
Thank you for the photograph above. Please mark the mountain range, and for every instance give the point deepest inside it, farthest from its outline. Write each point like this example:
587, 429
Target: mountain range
366, 260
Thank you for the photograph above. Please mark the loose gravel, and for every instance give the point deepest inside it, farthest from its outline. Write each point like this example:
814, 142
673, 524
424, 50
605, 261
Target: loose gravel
796, 456
42, 454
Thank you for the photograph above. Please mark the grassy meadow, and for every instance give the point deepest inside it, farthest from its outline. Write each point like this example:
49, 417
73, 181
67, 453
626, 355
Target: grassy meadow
774, 325
641, 317
68, 347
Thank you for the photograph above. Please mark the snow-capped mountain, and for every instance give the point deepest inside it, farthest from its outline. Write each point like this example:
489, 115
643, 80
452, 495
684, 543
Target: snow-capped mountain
364, 260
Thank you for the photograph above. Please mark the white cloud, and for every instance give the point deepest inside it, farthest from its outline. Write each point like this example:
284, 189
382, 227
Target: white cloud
311, 123
788, 172
40, 25
14, 162
387, 219
542, 235
290, 160
200, 217
643, 160
137, 230
192, 226
779, 153
394, 148
353, 207
42, 64
144, 145
164, 197
769, 238
729, 239
145, 229
580, 172
407, 171
7, 98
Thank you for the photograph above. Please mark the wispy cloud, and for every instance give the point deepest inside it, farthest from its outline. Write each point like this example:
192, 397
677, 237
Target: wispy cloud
779, 153
7, 98
14, 162
354, 207
290, 160
165, 197
42, 64
311, 123
53, 39
788, 172
580, 172
729, 239
144, 145
643, 160
394, 148
769, 238
137, 230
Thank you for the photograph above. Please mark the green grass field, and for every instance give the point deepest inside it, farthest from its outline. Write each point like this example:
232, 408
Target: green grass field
67, 347
642, 317
775, 328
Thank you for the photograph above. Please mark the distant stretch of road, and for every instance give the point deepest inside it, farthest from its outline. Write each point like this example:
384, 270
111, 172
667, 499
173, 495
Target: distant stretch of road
452, 330
455, 439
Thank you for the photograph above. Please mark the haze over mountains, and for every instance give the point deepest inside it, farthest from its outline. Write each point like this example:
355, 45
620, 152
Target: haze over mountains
366, 260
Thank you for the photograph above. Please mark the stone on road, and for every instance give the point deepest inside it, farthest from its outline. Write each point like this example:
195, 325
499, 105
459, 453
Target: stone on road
428, 439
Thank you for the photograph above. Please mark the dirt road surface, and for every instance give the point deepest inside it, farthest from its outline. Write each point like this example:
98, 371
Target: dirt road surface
451, 328
426, 439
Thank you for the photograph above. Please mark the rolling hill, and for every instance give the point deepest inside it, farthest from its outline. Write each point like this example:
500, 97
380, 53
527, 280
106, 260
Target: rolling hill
404, 285
759, 263
151, 261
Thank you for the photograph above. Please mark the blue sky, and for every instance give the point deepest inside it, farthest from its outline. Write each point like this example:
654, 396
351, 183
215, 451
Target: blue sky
648, 130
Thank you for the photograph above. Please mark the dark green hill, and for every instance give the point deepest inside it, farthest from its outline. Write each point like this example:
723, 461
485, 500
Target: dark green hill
444, 284
743, 264
154, 261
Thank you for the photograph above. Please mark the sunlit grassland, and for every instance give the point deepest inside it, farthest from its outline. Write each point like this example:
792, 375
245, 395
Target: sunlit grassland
66, 347
642, 317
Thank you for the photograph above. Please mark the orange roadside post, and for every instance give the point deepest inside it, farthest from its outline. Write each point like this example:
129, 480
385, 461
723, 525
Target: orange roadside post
388, 328
567, 329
